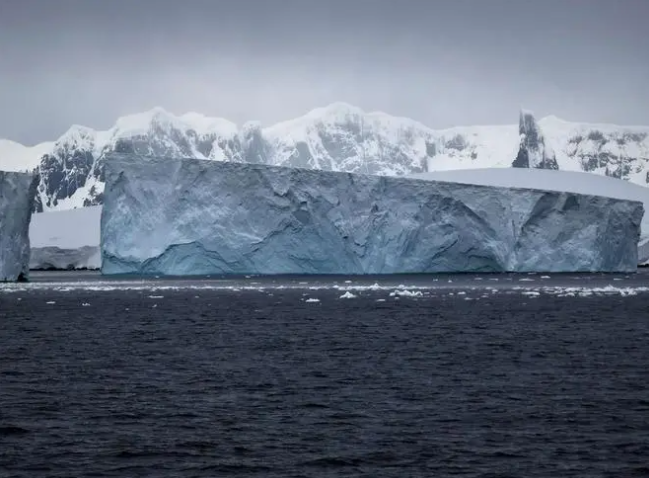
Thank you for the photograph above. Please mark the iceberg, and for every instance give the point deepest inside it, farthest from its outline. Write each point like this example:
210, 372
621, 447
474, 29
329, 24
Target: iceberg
17, 194
176, 217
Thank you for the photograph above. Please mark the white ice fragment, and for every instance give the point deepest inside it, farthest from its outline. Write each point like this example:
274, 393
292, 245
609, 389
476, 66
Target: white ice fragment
406, 293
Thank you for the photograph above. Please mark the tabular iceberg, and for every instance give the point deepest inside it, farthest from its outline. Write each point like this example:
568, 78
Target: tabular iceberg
195, 217
17, 194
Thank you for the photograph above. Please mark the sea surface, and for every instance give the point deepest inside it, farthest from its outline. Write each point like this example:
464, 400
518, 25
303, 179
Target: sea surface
398, 376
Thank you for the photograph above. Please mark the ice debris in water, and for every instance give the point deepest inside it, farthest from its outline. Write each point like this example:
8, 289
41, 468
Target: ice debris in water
406, 293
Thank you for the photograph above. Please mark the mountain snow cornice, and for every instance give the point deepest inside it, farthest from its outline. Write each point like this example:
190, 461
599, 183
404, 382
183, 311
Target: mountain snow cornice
339, 137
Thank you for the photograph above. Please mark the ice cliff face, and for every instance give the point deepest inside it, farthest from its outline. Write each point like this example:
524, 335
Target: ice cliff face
17, 192
533, 151
193, 217
339, 137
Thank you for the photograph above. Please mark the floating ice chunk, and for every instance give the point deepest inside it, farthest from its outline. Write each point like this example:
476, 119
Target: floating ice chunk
406, 293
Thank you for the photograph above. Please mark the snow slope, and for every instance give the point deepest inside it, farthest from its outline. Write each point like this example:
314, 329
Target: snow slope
16, 157
338, 137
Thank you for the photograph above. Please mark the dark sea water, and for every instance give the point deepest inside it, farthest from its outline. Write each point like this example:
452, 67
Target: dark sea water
465, 376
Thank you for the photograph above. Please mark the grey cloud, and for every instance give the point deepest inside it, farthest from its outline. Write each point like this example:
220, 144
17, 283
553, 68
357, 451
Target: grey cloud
444, 63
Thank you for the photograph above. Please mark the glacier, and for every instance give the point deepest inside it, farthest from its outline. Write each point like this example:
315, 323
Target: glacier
17, 194
179, 217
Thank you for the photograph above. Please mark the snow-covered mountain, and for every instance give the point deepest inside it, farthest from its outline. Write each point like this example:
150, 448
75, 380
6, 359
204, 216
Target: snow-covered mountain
338, 137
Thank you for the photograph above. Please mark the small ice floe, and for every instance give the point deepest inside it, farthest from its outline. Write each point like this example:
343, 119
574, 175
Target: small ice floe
531, 293
156, 297
617, 278
461, 293
348, 282
495, 279
477, 278
312, 300
154, 306
525, 279
85, 304
50, 302
348, 295
406, 293
588, 292
380, 300
545, 277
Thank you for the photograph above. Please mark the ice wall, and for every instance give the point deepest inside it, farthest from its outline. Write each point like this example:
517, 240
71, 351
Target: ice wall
17, 194
193, 217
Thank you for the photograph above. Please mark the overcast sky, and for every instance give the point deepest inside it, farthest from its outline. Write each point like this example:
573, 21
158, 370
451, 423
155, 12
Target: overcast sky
442, 62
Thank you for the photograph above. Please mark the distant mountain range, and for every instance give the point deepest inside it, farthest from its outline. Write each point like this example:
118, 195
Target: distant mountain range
338, 137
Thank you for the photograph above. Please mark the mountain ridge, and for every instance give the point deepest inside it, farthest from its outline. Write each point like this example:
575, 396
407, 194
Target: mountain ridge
339, 137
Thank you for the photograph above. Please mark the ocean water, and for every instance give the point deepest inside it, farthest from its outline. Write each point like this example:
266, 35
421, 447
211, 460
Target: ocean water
469, 376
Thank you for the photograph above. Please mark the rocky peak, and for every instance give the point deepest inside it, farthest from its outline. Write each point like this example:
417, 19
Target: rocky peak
533, 151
